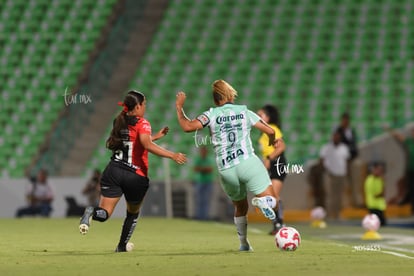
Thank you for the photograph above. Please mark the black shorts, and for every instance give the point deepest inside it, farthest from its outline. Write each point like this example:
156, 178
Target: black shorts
277, 169
117, 179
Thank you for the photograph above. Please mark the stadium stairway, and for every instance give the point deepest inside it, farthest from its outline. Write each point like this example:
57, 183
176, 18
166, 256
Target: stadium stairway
141, 18
64, 128
144, 19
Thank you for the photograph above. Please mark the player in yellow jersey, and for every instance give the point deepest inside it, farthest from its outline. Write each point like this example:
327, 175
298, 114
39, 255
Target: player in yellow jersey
274, 158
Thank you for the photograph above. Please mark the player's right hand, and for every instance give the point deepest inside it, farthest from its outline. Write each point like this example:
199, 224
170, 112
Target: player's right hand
180, 99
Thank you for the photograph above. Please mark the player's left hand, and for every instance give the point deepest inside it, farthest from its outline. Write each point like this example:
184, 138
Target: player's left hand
179, 158
164, 131
160, 133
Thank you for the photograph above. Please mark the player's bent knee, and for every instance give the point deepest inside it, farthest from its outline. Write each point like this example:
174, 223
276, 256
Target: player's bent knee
100, 214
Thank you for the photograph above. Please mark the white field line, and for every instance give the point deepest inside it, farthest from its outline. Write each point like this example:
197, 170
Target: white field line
382, 251
232, 226
391, 250
254, 230
402, 239
397, 254
397, 248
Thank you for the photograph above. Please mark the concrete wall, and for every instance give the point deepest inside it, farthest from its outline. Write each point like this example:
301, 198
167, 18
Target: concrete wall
12, 197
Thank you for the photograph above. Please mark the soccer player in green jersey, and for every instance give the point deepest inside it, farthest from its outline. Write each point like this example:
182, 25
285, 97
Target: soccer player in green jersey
239, 168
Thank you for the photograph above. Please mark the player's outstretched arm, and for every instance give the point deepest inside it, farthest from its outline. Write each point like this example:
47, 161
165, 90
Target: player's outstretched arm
280, 147
147, 143
185, 123
265, 128
278, 143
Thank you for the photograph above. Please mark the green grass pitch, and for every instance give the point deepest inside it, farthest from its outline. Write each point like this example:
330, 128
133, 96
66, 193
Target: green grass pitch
184, 247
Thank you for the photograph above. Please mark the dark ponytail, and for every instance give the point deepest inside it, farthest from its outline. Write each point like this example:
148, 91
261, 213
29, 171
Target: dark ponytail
120, 125
273, 113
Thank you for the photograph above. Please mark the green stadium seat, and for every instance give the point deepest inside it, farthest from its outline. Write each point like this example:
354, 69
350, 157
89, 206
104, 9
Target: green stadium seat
314, 62
36, 46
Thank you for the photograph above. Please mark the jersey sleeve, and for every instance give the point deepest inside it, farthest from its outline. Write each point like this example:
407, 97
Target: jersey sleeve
278, 132
144, 127
204, 118
253, 117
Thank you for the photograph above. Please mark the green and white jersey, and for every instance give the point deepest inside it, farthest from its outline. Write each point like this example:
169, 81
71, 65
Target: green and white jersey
230, 127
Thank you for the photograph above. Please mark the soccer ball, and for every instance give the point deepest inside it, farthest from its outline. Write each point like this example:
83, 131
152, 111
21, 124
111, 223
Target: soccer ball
129, 246
318, 213
287, 239
371, 222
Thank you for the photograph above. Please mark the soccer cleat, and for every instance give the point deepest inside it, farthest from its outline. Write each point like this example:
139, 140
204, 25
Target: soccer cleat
261, 203
246, 248
85, 220
276, 228
128, 248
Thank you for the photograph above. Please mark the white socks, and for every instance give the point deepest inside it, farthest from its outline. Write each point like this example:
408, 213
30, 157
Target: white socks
241, 225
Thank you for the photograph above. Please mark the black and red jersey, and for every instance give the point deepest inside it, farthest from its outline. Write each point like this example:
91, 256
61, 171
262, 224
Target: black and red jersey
133, 154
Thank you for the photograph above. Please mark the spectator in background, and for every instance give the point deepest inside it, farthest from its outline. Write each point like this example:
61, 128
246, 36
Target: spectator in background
408, 144
334, 157
374, 188
203, 183
315, 180
401, 197
349, 138
39, 196
92, 189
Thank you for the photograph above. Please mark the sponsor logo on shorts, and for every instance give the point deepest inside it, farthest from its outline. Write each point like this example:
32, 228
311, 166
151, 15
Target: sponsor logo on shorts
232, 156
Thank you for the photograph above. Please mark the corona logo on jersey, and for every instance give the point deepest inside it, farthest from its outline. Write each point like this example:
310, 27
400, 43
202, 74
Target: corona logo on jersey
229, 118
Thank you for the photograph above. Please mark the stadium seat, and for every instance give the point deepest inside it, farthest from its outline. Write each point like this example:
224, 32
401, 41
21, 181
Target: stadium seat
313, 59
41, 45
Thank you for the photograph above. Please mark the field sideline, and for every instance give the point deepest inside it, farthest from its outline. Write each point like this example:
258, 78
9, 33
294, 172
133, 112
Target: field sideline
184, 247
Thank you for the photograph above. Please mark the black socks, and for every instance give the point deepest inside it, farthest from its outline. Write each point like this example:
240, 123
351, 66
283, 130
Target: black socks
127, 229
